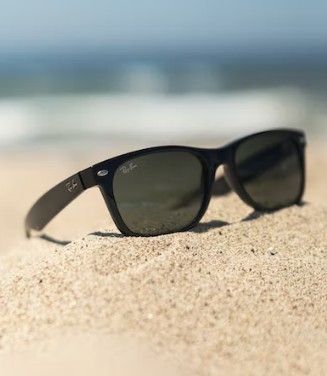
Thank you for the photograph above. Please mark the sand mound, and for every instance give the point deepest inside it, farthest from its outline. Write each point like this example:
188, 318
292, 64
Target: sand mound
242, 293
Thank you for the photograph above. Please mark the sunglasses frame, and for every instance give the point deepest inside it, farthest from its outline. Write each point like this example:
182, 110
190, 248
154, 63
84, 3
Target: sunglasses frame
102, 175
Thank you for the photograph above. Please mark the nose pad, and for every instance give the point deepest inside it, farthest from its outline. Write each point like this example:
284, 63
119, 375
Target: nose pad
229, 178
221, 186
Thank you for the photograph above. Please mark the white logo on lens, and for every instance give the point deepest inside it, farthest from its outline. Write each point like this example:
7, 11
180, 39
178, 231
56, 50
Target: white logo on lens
128, 168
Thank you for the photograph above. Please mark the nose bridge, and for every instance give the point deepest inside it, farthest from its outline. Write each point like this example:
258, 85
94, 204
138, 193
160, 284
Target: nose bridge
220, 156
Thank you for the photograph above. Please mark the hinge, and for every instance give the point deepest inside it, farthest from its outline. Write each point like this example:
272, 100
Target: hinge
87, 178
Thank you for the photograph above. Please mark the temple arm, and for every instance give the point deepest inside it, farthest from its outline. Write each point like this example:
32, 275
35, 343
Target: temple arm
55, 200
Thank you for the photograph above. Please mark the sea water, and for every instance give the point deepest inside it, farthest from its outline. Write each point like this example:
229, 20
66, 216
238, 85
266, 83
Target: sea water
158, 101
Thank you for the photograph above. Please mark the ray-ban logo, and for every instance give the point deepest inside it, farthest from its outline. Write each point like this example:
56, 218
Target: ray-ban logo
128, 168
71, 185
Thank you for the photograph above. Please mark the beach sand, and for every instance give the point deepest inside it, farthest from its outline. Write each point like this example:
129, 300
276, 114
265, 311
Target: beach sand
241, 294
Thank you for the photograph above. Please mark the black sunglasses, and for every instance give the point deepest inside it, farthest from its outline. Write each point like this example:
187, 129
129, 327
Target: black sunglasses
167, 189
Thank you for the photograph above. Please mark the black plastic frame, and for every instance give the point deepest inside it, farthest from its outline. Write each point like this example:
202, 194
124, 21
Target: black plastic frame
55, 200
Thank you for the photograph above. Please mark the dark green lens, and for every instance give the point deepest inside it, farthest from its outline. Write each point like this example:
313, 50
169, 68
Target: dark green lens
270, 170
159, 192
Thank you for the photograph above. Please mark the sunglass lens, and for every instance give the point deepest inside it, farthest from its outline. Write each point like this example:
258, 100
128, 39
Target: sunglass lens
270, 169
159, 192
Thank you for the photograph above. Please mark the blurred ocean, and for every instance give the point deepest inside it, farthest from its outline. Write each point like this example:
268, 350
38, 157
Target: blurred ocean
162, 98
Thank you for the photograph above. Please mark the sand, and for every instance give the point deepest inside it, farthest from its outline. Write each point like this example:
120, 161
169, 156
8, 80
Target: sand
241, 294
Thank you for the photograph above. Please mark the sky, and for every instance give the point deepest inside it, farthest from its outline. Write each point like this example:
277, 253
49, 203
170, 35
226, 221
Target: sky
84, 23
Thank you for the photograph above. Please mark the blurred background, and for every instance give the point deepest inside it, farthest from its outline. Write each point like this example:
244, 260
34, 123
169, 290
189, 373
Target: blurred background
157, 72
81, 81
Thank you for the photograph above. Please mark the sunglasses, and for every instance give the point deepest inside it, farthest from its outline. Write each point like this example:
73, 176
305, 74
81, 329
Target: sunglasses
167, 189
